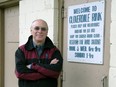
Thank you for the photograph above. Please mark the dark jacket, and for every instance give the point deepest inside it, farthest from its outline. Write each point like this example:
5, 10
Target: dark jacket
42, 73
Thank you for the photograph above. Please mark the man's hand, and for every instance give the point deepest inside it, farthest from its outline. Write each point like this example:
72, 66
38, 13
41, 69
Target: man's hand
54, 61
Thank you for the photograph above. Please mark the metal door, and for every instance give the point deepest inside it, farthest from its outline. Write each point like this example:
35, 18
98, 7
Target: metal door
11, 44
76, 74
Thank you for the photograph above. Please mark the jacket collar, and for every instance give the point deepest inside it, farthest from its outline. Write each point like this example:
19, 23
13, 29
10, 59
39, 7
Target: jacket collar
48, 43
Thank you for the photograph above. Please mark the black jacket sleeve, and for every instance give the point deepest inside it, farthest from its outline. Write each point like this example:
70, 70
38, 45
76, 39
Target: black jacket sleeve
55, 67
50, 70
21, 71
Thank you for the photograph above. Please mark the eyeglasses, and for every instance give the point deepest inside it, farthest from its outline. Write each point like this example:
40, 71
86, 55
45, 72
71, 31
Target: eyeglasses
42, 28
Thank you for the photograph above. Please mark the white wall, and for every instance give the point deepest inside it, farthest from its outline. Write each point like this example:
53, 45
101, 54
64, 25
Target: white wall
112, 72
38, 9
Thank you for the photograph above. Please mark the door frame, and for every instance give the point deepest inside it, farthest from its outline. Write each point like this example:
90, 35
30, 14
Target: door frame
60, 34
4, 4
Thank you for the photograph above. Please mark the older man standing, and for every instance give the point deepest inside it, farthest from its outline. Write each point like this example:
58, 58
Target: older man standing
38, 62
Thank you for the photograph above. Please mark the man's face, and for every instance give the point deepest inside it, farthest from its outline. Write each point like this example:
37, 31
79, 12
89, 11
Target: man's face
39, 30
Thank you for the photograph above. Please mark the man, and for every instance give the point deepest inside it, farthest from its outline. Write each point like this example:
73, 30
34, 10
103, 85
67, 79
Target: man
38, 62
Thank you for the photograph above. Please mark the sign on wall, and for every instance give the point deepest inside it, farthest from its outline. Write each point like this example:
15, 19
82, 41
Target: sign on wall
86, 32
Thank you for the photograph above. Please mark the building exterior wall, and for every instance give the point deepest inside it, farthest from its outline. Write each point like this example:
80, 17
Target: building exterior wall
112, 71
48, 10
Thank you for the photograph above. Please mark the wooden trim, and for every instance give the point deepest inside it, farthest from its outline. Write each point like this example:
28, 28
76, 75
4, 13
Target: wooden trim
1, 48
60, 24
60, 35
9, 3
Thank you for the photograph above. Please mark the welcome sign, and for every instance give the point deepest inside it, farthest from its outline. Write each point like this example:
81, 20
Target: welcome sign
86, 32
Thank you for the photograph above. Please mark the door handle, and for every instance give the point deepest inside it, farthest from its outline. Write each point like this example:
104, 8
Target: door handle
105, 81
